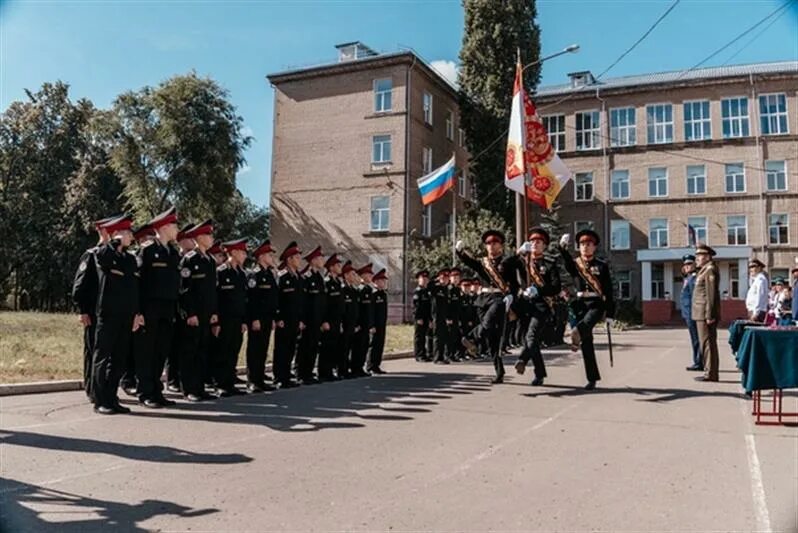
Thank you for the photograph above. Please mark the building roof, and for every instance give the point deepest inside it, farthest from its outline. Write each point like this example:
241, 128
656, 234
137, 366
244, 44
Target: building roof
673, 77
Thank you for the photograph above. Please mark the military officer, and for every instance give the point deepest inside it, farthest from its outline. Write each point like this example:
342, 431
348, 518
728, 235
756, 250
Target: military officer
350, 325
232, 310
365, 321
262, 298
439, 293
184, 245
313, 317
706, 309
380, 324
289, 316
594, 297
422, 314
465, 321
331, 334
454, 334
686, 309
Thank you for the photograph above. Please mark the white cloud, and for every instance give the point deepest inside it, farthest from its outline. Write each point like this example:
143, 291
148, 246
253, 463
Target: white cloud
447, 69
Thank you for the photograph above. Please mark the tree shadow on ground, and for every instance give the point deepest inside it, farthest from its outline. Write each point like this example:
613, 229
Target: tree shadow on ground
30, 508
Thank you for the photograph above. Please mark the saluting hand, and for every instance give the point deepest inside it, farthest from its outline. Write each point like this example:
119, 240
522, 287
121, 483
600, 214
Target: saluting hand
256, 325
243, 328
565, 240
301, 326
85, 320
325, 326
192, 321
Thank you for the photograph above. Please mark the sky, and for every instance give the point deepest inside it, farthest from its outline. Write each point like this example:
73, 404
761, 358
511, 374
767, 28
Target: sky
103, 48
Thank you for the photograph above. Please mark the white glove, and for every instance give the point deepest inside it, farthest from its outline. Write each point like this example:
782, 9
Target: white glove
530, 292
459, 246
609, 321
508, 301
525, 248
565, 240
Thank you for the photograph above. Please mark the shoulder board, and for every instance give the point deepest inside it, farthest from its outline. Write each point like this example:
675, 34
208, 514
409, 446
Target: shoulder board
146, 244
281, 273
190, 254
221, 267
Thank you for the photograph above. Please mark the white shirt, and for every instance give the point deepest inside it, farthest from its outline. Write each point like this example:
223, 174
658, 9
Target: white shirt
757, 298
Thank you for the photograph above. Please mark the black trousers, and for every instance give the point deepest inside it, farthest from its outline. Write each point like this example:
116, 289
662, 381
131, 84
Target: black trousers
89, 333
586, 321
420, 339
360, 348
345, 355
377, 347
257, 350
491, 328
152, 345
440, 342
330, 350
194, 356
454, 339
173, 359
534, 333
111, 350
230, 339
284, 347
308, 351
128, 379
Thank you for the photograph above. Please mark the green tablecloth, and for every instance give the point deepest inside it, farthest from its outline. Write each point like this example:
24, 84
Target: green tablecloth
736, 332
768, 358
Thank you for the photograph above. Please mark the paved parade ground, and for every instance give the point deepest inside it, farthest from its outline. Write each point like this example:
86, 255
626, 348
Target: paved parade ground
425, 447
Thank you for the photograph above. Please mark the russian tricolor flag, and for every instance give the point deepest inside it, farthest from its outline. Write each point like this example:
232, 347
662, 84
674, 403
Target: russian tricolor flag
435, 184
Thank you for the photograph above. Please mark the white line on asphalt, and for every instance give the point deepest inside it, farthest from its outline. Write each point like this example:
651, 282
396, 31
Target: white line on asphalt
757, 488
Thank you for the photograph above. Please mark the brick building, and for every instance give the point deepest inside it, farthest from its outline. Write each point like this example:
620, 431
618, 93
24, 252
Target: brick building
663, 159
350, 140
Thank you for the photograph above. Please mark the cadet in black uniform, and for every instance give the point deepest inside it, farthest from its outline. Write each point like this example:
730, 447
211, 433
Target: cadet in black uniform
380, 324
160, 288
439, 293
422, 314
84, 296
232, 309
184, 245
289, 316
198, 311
453, 334
142, 237
498, 296
262, 297
365, 321
543, 285
594, 297
117, 314
313, 317
330, 353
350, 325
465, 319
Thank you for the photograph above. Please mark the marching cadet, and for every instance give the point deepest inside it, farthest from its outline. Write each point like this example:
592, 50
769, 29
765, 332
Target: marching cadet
331, 347
84, 296
439, 292
262, 297
313, 317
706, 309
160, 287
217, 253
289, 316
543, 285
380, 324
198, 311
365, 321
350, 325
467, 322
184, 245
117, 314
453, 333
594, 297
480, 343
497, 298
232, 310
422, 314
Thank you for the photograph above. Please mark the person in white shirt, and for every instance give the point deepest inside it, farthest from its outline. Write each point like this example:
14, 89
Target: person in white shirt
756, 301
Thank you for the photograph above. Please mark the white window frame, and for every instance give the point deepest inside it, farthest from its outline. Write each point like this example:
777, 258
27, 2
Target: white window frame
426, 221
736, 120
734, 280
659, 129
583, 186
556, 135
426, 160
660, 232
623, 134
620, 223
657, 285
737, 233
772, 226
768, 117
702, 125
382, 143
624, 281
427, 106
705, 228
461, 135
590, 137
726, 176
380, 96
658, 180
619, 182
775, 173
696, 177
449, 125
462, 184
380, 211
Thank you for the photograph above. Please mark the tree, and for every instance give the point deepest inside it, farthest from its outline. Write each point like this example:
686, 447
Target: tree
550, 221
494, 32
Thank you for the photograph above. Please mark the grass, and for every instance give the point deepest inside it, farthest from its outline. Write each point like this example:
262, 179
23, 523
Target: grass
49, 346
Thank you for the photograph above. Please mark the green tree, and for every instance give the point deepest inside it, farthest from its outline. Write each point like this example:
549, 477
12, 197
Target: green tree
494, 31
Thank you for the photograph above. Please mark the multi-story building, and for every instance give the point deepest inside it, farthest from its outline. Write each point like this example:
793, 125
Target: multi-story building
350, 140
663, 160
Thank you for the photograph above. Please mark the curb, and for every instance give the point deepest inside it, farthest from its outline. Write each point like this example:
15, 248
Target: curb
41, 387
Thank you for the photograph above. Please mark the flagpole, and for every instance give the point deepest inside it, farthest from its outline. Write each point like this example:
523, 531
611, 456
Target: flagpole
454, 225
519, 208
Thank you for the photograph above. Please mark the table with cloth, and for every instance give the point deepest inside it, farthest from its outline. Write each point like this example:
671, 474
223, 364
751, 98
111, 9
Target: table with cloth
736, 330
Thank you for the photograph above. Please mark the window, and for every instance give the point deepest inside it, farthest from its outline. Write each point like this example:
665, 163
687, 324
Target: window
776, 175
624, 278
657, 182
381, 149
658, 233
462, 184
583, 186
697, 124
428, 108
779, 229
426, 160
657, 281
734, 280
773, 114
737, 230
461, 134
449, 125
380, 213
623, 131
426, 221
660, 123
734, 114
696, 230
735, 177
619, 234
588, 131
696, 179
448, 226
555, 126
383, 91
620, 184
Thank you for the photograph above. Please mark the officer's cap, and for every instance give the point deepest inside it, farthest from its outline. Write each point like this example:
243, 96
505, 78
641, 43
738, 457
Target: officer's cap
381, 274
264, 248
347, 268
424, 273
332, 260
756, 263
290, 250
216, 248
124, 222
314, 254
688, 259
237, 244
540, 233
167, 217
203, 228
492, 235
705, 249
587, 234
367, 269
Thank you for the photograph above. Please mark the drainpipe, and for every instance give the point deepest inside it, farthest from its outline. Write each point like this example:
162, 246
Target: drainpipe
405, 233
760, 157
605, 166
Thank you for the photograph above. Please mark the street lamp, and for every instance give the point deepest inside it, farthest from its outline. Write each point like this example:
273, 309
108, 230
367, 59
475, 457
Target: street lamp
570, 49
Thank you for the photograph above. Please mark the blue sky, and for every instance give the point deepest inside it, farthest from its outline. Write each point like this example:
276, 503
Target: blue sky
105, 47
